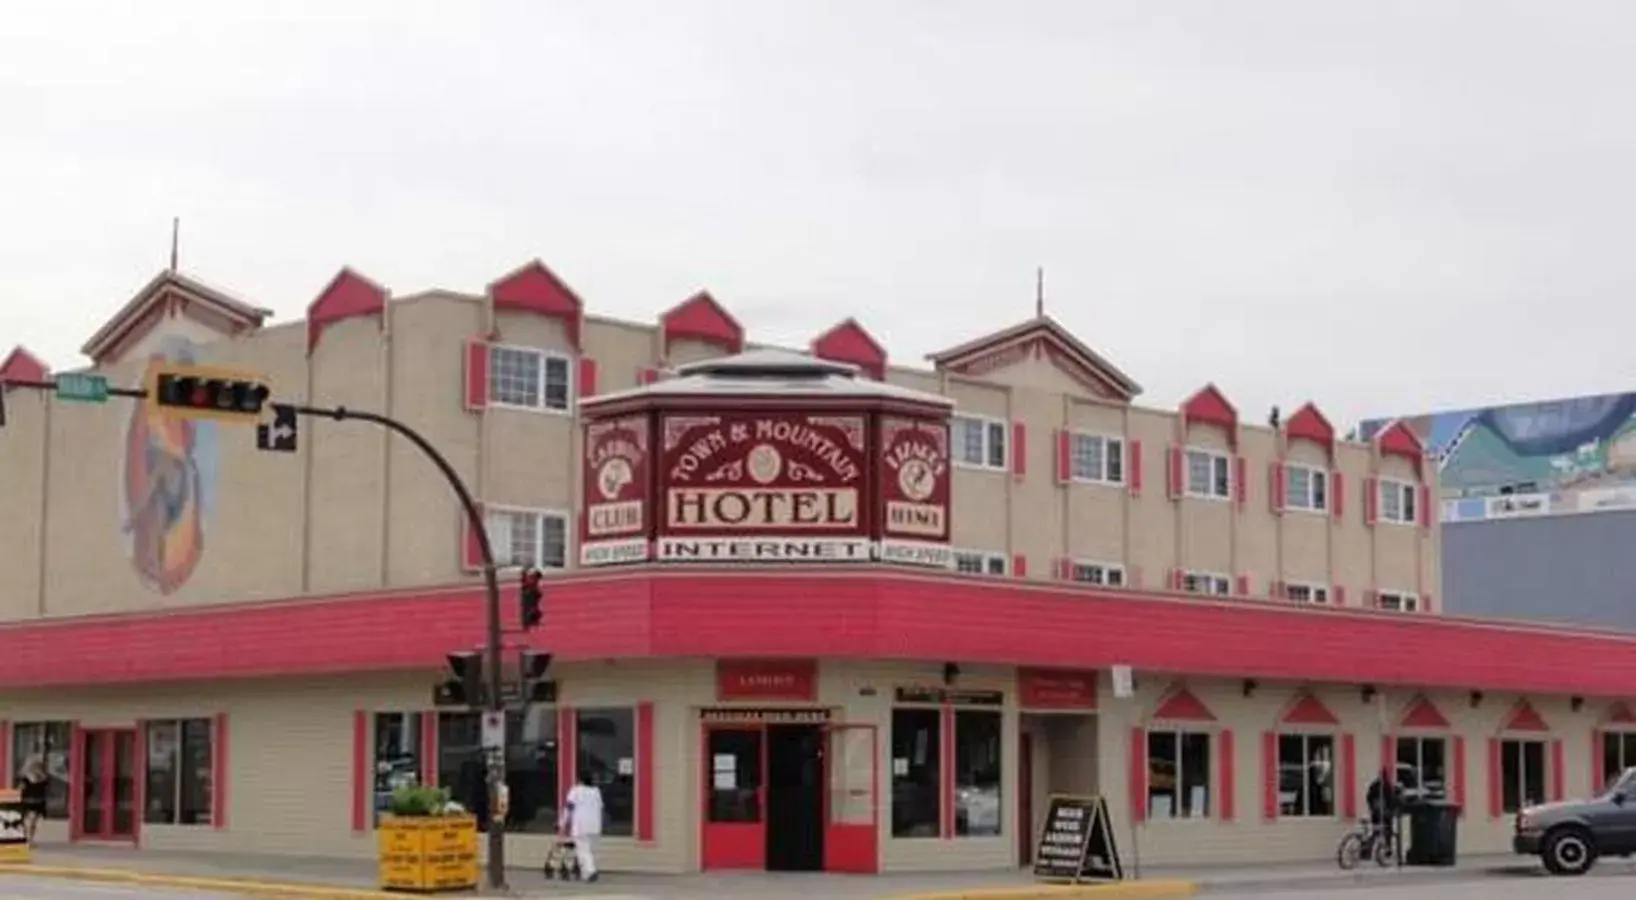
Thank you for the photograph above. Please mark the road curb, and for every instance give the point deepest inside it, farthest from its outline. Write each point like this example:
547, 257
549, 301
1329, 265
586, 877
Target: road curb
227, 885
1156, 888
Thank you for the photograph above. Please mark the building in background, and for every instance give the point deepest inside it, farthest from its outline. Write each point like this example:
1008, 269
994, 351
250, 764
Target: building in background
1538, 504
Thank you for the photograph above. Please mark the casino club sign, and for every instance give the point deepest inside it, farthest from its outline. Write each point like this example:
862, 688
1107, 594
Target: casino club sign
775, 486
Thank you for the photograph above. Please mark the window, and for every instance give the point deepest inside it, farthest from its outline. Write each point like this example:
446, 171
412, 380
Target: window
1306, 593
1618, 754
1422, 765
1397, 501
1397, 601
180, 777
50, 741
397, 756
1178, 774
522, 537
532, 753
1206, 583
528, 378
917, 800
1209, 475
1522, 774
979, 443
1096, 458
1306, 775
976, 562
1306, 488
605, 753
976, 773
1098, 573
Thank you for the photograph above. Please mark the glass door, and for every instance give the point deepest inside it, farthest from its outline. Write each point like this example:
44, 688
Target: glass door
105, 774
734, 828
852, 801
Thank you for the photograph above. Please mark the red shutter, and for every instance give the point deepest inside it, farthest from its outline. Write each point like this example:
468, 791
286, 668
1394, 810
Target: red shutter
587, 376
1275, 486
220, 775
1496, 802
1177, 579
1337, 593
1460, 773
647, 375
1133, 466
567, 749
1019, 566
361, 782
1425, 507
1269, 775
428, 748
1065, 459
646, 770
477, 374
1371, 500
1347, 779
471, 548
1275, 589
1559, 772
1173, 472
5, 754
1226, 764
140, 788
1065, 569
1243, 586
946, 785
1138, 775
1388, 756
1019, 449
1426, 603
1241, 484
1337, 493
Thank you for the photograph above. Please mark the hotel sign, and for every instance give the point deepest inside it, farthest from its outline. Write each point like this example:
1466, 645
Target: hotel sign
613, 518
789, 487
913, 458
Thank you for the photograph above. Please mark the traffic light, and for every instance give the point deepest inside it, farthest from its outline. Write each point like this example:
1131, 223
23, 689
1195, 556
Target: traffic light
536, 689
206, 392
465, 687
530, 596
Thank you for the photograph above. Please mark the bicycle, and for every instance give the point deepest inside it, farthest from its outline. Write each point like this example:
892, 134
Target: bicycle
1366, 842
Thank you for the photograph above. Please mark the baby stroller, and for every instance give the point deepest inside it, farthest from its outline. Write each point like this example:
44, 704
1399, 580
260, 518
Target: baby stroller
561, 862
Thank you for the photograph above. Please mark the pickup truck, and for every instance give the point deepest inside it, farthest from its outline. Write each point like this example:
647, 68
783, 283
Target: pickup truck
1568, 837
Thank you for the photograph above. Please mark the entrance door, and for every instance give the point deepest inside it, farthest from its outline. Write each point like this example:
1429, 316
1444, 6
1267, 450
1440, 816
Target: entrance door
735, 820
852, 802
105, 777
795, 798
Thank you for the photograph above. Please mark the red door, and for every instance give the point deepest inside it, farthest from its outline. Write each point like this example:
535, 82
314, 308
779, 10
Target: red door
734, 832
104, 785
852, 801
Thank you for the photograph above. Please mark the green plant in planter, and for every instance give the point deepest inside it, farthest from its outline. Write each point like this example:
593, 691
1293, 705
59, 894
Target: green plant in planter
418, 801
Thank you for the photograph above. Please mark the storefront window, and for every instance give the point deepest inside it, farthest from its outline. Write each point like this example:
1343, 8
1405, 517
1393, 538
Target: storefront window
1618, 754
1306, 775
977, 772
1178, 778
180, 773
1522, 774
1421, 765
397, 756
916, 761
532, 754
50, 741
605, 755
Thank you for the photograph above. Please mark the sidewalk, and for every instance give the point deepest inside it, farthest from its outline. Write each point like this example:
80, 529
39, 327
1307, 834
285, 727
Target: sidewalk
359, 876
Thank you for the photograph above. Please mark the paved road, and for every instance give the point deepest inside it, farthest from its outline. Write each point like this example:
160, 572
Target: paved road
18, 888
1602, 886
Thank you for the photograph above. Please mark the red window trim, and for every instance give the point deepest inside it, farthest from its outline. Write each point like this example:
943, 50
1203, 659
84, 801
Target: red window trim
428, 747
1138, 774
1133, 467
360, 770
5, 753
645, 769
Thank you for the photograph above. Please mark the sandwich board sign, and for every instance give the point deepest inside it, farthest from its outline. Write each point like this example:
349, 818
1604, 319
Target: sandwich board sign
1076, 842
13, 838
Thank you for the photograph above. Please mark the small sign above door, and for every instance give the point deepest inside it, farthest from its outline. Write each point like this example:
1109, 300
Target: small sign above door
755, 716
767, 679
1056, 689
950, 696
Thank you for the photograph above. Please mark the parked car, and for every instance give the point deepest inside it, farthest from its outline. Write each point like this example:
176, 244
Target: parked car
1568, 837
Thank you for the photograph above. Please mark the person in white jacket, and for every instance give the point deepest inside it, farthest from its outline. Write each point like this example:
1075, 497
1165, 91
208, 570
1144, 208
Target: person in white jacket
582, 819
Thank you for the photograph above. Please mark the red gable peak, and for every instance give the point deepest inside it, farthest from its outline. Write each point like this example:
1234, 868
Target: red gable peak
1620, 714
21, 365
1525, 718
1307, 709
348, 295
701, 318
1309, 423
533, 287
1398, 439
849, 342
1211, 406
1422, 713
1181, 706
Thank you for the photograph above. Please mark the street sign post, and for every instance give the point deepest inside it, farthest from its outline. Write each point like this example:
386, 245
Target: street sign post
82, 387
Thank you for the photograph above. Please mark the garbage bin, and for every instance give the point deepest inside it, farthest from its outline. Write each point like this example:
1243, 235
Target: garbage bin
1433, 833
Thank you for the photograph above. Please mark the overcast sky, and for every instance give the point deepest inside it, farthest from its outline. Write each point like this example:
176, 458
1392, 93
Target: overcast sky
1382, 206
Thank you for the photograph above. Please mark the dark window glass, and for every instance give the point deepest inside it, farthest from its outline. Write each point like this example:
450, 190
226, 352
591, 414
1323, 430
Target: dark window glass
532, 753
49, 741
1522, 774
605, 753
1178, 783
397, 756
1613, 758
1306, 775
1422, 764
917, 803
180, 772
977, 761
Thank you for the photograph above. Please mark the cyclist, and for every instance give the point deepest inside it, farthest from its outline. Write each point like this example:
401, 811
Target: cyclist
1385, 799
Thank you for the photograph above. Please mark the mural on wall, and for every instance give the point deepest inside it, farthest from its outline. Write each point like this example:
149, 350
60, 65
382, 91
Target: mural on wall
167, 486
1531, 459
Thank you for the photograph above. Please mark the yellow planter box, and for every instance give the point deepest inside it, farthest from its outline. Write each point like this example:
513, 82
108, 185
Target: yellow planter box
13, 840
428, 854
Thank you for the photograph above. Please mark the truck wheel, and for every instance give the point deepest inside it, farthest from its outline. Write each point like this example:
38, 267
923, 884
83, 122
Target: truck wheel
1568, 852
